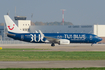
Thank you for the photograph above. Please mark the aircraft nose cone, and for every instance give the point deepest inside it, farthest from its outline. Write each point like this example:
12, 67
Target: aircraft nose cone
100, 39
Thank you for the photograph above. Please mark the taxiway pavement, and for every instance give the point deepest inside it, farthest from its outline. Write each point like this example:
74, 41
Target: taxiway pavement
55, 64
52, 64
71, 47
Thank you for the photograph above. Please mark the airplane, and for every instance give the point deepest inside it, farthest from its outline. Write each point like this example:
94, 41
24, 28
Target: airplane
52, 38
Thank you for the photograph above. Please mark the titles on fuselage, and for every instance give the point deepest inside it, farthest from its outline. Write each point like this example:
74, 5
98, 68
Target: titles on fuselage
34, 37
75, 36
65, 36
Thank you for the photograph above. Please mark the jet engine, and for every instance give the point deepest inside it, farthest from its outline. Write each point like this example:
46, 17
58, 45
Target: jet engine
63, 42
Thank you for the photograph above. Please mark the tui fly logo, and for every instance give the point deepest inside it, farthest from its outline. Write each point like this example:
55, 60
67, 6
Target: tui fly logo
12, 27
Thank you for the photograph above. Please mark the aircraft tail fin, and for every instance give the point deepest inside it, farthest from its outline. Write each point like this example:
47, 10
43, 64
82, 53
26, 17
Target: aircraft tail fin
11, 26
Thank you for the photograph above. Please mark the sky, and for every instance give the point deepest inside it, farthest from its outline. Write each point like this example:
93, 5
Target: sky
78, 12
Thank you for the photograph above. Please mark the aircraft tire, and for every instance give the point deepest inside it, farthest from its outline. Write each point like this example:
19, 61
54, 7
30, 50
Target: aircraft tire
53, 44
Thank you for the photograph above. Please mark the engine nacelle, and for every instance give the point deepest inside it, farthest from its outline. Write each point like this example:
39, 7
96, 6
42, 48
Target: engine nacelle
63, 41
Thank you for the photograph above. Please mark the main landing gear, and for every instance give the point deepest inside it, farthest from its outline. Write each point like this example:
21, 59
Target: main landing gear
52, 44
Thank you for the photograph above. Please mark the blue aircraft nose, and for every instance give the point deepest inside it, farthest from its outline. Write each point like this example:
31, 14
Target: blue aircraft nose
100, 39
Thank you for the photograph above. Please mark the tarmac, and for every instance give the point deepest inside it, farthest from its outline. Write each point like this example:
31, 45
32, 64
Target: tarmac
55, 64
52, 64
71, 47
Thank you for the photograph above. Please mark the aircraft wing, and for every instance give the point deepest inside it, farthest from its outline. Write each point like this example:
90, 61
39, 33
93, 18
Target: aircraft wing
50, 39
54, 40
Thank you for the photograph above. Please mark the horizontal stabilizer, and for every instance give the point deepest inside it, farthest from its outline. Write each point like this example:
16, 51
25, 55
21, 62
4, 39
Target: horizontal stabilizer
10, 34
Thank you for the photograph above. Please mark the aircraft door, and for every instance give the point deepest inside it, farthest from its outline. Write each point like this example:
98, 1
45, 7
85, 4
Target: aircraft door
91, 37
22, 37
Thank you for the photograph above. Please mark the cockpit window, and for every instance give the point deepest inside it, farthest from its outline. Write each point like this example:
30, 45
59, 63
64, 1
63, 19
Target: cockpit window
96, 36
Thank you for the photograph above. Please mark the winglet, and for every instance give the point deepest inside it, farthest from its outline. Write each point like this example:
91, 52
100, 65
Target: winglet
36, 31
42, 35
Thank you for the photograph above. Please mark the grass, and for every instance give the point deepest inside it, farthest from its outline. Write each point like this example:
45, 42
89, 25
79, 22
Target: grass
32, 55
100, 68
